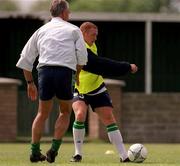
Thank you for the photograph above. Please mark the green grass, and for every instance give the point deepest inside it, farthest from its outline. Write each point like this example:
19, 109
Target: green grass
17, 154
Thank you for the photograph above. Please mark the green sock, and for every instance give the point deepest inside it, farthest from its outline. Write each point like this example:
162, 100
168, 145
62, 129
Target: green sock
35, 148
112, 127
56, 144
78, 125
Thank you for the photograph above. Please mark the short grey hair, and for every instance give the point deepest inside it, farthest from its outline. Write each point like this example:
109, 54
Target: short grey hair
58, 6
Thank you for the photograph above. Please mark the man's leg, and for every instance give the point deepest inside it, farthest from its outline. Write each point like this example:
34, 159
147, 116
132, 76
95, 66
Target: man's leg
37, 129
80, 110
114, 134
61, 126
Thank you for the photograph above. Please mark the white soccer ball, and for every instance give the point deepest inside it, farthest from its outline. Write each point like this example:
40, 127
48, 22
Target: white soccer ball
137, 153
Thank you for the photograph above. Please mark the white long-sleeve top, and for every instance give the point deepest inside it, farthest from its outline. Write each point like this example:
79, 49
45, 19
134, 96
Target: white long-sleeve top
58, 43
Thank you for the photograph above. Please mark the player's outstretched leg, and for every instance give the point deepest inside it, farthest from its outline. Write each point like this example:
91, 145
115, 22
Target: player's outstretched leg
115, 138
76, 158
124, 161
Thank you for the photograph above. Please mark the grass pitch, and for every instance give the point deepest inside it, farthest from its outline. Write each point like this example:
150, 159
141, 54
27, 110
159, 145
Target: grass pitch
17, 154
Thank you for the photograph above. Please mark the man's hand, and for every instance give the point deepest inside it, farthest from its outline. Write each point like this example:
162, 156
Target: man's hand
32, 91
31, 87
134, 68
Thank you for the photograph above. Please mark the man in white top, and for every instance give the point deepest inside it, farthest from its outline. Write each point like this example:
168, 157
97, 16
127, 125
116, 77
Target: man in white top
60, 49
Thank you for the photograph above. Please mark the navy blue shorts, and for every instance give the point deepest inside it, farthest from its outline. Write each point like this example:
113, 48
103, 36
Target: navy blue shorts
99, 100
55, 81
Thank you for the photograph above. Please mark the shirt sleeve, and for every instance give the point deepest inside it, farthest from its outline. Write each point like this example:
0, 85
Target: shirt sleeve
28, 54
80, 48
105, 66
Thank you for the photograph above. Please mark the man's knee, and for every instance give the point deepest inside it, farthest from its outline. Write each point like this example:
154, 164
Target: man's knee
43, 115
80, 116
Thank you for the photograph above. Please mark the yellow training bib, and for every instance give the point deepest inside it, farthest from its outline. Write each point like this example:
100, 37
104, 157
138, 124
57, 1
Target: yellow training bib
89, 81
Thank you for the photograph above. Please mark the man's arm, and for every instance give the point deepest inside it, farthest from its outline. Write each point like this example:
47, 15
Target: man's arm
80, 48
26, 61
28, 54
81, 52
107, 67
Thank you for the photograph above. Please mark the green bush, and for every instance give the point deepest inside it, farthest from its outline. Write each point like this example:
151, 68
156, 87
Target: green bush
109, 5
41, 5
144, 6
119, 5
99, 5
7, 5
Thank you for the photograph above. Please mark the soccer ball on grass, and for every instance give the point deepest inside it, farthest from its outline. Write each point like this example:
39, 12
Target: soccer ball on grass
137, 153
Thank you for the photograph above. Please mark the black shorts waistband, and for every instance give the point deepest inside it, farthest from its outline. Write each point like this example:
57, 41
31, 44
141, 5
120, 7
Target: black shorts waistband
54, 67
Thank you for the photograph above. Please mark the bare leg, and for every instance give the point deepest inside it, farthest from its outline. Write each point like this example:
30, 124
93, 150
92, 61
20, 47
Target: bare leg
105, 114
62, 122
61, 126
37, 129
39, 121
80, 110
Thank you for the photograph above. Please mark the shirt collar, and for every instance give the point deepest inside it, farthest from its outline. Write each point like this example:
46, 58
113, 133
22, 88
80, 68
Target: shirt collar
56, 19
